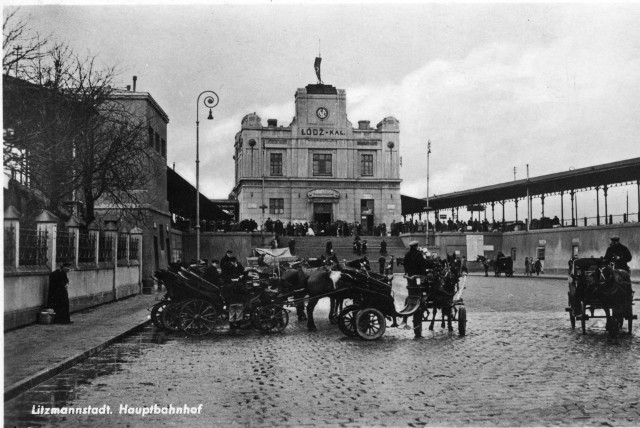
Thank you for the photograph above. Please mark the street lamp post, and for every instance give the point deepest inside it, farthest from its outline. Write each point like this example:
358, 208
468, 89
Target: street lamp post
428, 207
210, 100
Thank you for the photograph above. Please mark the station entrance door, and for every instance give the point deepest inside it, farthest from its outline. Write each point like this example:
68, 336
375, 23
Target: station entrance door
322, 212
366, 215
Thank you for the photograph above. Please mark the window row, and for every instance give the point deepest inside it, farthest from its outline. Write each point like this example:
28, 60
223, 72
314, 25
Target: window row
157, 143
322, 165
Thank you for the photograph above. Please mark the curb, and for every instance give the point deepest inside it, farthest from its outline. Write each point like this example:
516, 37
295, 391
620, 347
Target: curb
25, 384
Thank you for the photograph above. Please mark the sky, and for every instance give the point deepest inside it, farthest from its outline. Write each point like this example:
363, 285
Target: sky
493, 86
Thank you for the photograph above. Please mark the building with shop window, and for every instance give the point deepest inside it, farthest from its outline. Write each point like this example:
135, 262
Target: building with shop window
319, 168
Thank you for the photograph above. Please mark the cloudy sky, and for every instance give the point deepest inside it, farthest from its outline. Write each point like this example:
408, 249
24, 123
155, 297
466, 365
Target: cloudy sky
493, 86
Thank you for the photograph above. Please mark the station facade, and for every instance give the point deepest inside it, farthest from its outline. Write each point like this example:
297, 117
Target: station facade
319, 168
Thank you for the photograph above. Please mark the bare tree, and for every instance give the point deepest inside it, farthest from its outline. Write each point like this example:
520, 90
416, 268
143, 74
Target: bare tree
18, 43
72, 138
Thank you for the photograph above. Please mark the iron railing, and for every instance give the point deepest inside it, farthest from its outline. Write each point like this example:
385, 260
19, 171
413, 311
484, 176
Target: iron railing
9, 246
105, 248
122, 247
87, 248
133, 248
66, 247
33, 247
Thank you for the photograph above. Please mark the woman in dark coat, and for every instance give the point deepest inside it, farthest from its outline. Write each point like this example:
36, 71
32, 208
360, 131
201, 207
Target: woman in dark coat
58, 299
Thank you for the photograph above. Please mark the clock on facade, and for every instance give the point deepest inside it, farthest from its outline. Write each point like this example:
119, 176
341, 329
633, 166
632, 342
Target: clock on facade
322, 113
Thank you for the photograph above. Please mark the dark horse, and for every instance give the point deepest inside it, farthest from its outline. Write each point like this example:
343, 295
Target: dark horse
316, 283
444, 289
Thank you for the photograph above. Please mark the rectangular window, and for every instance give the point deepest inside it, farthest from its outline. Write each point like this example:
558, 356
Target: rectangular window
366, 165
157, 142
540, 252
276, 164
151, 141
276, 206
164, 148
322, 164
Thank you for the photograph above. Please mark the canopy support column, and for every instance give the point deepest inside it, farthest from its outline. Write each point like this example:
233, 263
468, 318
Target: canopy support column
598, 206
562, 208
605, 190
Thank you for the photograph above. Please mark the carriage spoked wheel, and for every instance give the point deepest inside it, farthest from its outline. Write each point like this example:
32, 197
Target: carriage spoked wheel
197, 317
462, 321
272, 318
370, 324
170, 316
156, 313
347, 320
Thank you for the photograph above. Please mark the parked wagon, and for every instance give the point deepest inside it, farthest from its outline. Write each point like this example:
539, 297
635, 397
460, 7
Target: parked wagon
197, 307
597, 290
373, 304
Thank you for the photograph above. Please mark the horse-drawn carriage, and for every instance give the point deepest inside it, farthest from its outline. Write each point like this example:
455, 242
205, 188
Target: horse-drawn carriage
504, 265
594, 285
195, 306
373, 303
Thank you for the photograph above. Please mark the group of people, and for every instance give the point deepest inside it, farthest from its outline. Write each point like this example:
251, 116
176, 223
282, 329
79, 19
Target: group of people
531, 266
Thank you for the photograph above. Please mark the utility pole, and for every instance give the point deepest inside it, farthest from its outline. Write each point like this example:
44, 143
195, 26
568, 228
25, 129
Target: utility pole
528, 198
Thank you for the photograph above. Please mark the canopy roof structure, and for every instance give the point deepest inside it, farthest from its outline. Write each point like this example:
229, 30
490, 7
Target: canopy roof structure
626, 171
182, 200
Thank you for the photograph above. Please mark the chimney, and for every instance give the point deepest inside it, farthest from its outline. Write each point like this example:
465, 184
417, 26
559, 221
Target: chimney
128, 87
363, 124
272, 123
135, 79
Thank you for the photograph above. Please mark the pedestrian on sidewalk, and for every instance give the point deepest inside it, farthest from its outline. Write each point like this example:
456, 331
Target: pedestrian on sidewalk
538, 267
58, 298
382, 263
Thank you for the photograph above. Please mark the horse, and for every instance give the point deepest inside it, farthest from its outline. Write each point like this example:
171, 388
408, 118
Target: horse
447, 286
312, 282
486, 262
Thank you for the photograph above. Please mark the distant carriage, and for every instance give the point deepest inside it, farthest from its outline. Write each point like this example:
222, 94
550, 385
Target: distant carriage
503, 265
595, 285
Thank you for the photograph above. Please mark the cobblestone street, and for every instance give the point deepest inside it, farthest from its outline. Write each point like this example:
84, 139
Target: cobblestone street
519, 364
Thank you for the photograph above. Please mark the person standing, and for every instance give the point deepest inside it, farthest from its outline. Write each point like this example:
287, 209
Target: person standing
414, 265
382, 263
463, 266
58, 298
538, 266
328, 247
618, 254
383, 247
292, 246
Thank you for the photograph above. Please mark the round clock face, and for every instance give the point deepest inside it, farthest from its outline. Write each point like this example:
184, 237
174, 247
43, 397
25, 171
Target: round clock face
322, 113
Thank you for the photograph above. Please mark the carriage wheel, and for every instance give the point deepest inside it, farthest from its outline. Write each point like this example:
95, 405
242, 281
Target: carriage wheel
156, 313
370, 324
197, 317
347, 320
271, 318
583, 320
462, 321
170, 316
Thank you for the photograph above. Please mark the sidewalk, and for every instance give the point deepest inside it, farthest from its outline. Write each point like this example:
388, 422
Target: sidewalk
37, 352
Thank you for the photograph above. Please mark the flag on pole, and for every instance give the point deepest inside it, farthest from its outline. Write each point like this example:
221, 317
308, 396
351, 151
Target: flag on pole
316, 65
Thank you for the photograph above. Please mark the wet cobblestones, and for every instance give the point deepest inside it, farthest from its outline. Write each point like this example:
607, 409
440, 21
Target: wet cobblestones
520, 364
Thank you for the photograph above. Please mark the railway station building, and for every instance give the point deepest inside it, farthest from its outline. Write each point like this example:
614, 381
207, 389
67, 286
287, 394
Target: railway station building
319, 168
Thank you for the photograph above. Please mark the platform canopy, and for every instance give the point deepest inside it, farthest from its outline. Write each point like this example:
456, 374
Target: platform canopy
182, 200
626, 171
